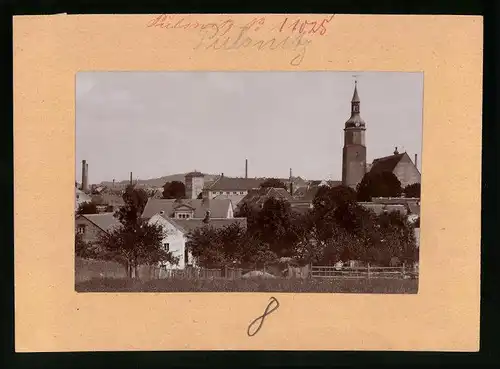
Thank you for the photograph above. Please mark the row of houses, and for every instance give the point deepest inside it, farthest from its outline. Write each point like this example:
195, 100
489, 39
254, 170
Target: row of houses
181, 216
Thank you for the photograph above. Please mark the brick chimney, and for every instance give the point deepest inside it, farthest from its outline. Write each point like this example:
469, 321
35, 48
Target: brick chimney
246, 168
85, 176
131, 182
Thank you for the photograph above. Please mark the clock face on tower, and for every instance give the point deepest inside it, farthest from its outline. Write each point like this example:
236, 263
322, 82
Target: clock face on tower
357, 124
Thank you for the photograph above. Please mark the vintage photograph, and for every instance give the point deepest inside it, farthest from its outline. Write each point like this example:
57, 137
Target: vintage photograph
248, 181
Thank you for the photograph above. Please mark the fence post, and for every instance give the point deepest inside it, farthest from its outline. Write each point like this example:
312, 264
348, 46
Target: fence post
369, 276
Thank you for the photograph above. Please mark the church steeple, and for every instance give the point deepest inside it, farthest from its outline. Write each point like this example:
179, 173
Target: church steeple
355, 120
354, 152
355, 99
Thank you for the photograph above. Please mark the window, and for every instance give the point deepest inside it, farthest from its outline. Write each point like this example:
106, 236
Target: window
166, 246
242, 193
80, 229
235, 193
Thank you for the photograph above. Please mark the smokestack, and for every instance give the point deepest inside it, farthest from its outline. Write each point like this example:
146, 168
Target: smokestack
246, 168
416, 164
85, 177
131, 182
291, 183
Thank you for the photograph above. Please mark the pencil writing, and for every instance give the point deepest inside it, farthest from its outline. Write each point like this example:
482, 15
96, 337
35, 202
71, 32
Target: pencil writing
260, 319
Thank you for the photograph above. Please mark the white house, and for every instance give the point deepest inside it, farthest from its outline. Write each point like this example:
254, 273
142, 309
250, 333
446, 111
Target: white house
174, 241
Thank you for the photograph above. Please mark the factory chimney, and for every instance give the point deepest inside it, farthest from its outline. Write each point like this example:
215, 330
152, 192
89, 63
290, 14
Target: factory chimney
246, 168
85, 176
291, 183
131, 181
416, 164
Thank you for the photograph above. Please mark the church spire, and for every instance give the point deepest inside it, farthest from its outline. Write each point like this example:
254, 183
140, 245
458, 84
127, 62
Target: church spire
355, 96
355, 121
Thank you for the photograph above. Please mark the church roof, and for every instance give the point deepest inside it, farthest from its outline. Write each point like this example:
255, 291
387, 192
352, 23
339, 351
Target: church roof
386, 164
355, 118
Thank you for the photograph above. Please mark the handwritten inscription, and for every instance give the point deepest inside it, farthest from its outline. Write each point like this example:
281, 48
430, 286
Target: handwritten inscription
289, 34
269, 309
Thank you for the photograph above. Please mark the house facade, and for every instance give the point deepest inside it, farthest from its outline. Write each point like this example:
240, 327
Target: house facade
176, 231
91, 226
174, 241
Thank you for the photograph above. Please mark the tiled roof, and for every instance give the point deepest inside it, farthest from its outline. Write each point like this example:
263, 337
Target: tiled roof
386, 164
189, 225
105, 221
235, 199
218, 208
236, 184
258, 197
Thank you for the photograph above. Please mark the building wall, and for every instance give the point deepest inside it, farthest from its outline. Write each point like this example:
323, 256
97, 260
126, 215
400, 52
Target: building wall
185, 214
353, 165
91, 233
176, 241
406, 172
194, 186
211, 194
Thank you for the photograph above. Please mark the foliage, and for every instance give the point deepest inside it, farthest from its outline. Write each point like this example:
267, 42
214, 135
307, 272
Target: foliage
378, 184
412, 190
231, 245
174, 190
273, 182
84, 249
274, 226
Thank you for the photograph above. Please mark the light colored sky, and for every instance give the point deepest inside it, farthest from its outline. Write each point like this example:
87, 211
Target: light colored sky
161, 123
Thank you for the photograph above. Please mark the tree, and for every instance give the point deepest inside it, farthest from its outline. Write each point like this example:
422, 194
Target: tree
174, 190
136, 241
273, 182
378, 184
87, 208
412, 190
207, 247
397, 238
135, 246
274, 226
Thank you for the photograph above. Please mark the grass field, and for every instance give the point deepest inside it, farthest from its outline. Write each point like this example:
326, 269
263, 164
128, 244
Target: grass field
392, 286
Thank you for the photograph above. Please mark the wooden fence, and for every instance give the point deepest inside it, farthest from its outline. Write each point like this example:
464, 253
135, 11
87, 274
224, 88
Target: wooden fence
368, 272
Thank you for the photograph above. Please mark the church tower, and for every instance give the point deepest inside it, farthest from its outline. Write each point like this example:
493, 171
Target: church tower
354, 153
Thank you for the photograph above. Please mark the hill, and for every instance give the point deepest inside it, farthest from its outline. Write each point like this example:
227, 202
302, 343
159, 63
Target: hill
158, 182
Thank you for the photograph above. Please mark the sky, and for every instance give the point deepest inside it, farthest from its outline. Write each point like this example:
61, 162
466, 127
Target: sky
159, 123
